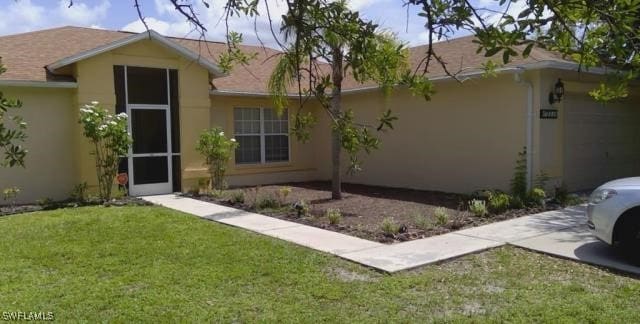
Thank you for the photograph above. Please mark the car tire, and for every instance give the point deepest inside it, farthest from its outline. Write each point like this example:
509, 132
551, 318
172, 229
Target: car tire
629, 240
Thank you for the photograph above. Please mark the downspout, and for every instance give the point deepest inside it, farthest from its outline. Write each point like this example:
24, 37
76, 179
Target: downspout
529, 121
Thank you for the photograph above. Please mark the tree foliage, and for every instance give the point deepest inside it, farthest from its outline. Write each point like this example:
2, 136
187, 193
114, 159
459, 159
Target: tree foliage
326, 43
12, 131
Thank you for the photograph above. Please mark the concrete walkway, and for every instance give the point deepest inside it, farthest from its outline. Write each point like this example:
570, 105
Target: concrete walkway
560, 233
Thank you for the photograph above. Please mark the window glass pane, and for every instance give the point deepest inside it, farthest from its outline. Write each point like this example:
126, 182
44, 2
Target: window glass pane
147, 85
248, 150
276, 148
246, 120
274, 124
147, 170
149, 130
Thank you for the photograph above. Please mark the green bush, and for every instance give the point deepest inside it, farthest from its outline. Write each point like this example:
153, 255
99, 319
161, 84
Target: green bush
499, 202
441, 215
237, 197
478, 207
517, 203
334, 216
537, 196
268, 202
519, 180
216, 149
422, 222
389, 226
79, 192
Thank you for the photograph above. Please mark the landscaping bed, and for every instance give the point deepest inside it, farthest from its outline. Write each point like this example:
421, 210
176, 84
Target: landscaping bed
12, 209
386, 215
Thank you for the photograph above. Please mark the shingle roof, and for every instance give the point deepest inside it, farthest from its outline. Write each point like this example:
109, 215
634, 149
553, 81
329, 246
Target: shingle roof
26, 55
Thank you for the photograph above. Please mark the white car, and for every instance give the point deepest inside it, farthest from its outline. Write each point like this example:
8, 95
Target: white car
614, 213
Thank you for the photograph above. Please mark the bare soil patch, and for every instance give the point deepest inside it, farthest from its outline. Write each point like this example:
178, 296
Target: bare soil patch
364, 209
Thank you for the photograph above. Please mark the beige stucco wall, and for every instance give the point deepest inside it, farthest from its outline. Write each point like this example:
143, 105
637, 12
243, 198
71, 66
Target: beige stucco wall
303, 157
95, 82
466, 138
551, 135
49, 171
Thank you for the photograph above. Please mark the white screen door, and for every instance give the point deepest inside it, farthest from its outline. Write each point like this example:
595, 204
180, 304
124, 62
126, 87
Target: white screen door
150, 163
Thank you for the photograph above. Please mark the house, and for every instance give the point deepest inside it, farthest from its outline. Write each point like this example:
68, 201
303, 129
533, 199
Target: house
467, 137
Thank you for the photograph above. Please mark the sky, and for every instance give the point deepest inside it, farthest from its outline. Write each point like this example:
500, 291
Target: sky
29, 15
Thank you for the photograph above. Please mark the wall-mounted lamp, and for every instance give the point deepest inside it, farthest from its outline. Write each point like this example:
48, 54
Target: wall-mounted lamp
557, 93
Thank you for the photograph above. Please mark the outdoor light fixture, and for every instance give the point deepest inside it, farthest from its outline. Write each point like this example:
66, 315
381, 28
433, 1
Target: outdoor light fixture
557, 93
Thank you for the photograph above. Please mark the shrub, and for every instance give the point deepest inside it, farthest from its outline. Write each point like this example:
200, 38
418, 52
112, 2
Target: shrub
519, 180
517, 203
268, 202
10, 194
217, 150
499, 202
79, 192
441, 215
301, 208
423, 222
237, 197
561, 194
478, 207
389, 226
537, 196
334, 216
542, 179
111, 140
253, 194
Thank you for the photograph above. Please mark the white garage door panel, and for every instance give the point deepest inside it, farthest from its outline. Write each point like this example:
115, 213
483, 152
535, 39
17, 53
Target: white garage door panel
601, 142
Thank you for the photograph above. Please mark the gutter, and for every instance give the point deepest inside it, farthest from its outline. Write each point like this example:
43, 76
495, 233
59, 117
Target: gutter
38, 84
549, 64
529, 121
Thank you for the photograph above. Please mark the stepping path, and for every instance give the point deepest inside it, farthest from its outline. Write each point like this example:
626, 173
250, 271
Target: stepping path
562, 233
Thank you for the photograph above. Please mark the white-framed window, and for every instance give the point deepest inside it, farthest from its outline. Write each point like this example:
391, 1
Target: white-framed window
262, 135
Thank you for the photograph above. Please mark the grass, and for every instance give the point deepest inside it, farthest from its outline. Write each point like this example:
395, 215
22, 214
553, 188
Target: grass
149, 264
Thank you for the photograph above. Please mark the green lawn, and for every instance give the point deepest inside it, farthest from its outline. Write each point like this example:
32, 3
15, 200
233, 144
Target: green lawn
153, 264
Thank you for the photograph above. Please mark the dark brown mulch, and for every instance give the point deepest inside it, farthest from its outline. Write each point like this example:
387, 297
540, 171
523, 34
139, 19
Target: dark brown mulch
6, 210
365, 207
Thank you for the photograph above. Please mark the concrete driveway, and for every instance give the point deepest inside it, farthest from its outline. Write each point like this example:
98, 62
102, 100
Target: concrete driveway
578, 244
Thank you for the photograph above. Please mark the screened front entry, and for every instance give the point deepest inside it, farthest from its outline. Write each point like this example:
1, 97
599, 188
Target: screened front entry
149, 97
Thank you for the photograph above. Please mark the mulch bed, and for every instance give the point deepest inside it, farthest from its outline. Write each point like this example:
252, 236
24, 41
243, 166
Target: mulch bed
6, 210
365, 207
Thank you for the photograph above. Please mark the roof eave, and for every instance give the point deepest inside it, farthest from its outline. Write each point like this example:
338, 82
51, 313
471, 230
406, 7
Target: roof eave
152, 35
38, 84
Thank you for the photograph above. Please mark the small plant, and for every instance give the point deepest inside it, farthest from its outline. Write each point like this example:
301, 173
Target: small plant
537, 196
334, 216
441, 215
203, 186
423, 222
282, 195
252, 194
111, 140
301, 208
120, 193
10, 194
517, 203
79, 192
499, 202
519, 180
217, 150
268, 202
542, 179
389, 226
562, 194
46, 203
478, 207
237, 197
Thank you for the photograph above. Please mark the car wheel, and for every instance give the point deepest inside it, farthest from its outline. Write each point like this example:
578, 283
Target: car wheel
630, 240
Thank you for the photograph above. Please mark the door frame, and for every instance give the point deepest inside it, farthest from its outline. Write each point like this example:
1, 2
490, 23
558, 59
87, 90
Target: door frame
153, 188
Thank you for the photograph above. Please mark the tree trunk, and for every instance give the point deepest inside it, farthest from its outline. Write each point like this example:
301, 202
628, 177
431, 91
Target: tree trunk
336, 144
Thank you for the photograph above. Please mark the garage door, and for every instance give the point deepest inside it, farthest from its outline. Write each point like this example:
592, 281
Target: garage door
602, 142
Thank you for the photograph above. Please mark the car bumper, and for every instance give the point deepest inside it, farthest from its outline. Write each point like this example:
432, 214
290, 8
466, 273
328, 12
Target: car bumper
601, 219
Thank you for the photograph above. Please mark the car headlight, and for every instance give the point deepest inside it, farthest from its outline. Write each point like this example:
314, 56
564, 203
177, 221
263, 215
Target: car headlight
601, 195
